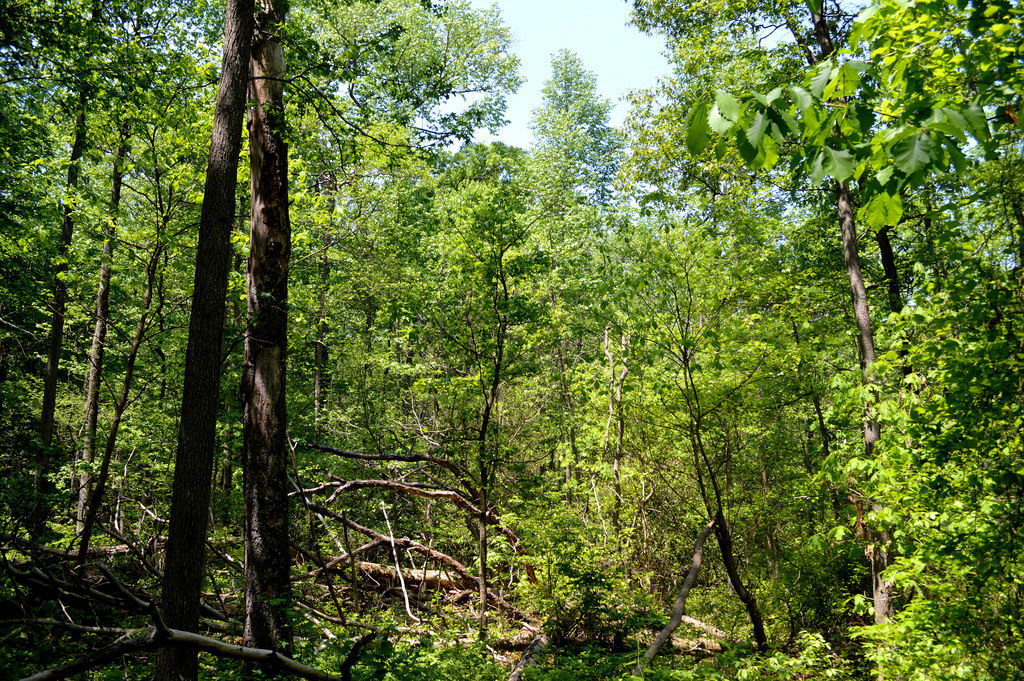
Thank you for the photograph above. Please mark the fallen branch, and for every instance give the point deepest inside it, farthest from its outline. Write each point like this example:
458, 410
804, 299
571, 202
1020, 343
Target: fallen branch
679, 611
407, 543
155, 637
457, 471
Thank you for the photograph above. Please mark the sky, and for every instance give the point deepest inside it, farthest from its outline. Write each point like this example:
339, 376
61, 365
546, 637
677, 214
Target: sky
621, 57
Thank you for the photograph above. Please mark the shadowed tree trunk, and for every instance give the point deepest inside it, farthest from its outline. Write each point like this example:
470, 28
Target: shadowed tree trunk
265, 435
197, 430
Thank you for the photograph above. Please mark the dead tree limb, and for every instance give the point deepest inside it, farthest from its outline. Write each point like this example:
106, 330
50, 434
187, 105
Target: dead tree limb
155, 637
680, 607
407, 543
706, 628
414, 489
451, 467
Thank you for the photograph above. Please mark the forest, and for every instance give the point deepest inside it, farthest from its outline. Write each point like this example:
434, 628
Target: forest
299, 379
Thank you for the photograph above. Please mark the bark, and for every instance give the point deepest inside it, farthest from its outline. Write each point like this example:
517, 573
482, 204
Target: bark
679, 610
531, 656
320, 354
197, 436
892, 277
617, 416
99, 335
725, 544
865, 342
436, 556
264, 449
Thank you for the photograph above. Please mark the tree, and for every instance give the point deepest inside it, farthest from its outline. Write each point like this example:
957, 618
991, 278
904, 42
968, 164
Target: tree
193, 464
265, 430
572, 130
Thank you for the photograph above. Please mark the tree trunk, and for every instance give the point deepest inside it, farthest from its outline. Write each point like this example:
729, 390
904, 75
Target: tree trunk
879, 551
724, 535
99, 335
264, 449
96, 497
892, 277
320, 344
197, 434
865, 336
679, 610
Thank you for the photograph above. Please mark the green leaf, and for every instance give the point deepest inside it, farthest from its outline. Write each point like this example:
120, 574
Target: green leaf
821, 78
801, 97
721, 149
883, 175
881, 210
728, 107
814, 6
914, 152
697, 129
844, 83
719, 123
956, 156
756, 129
838, 163
818, 168
977, 121
747, 150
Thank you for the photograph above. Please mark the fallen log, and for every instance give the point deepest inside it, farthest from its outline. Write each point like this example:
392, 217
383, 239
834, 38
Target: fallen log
407, 543
530, 656
432, 578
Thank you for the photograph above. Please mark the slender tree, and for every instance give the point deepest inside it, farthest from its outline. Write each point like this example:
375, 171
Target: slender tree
99, 336
193, 466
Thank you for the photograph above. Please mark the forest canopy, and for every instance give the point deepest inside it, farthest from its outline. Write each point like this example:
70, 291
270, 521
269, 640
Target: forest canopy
297, 378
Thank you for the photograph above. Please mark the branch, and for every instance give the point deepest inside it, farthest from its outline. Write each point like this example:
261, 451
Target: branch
411, 458
678, 612
155, 637
408, 543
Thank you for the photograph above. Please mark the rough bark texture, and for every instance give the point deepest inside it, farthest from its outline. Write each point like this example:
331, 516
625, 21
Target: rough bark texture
530, 656
99, 334
725, 544
193, 467
865, 337
265, 450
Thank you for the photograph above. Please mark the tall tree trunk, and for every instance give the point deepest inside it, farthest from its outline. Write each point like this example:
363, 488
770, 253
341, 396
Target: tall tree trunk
865, 337
892, 277
99, 335
879, 550
197, 430
264, 449
617, 416
724, 535
320, 344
